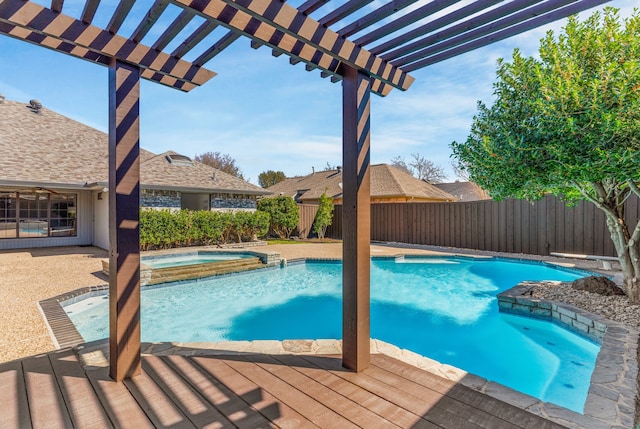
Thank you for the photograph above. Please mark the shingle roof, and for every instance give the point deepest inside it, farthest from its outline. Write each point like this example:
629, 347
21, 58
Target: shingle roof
49, 149
464, 191
386, 181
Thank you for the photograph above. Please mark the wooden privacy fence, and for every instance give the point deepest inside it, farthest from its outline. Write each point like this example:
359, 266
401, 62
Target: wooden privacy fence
307, 216
513, 226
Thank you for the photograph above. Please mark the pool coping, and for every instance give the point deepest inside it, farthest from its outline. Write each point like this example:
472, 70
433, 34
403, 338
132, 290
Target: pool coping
611, 401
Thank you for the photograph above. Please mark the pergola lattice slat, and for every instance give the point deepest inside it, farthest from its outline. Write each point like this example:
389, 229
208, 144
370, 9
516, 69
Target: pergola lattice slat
66, 34
261, 19
494, 32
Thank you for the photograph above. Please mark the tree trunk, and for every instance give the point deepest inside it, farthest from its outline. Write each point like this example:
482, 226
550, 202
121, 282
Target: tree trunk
627, 250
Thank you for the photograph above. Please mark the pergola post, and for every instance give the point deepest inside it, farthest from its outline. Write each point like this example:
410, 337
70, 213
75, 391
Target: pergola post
124, 217
356, 219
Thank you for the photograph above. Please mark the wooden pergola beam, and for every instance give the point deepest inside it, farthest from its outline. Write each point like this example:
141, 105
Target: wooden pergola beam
375, 16
33, 23
217, 47
174, 28
356, 219
123, 9
408, 19
194, 38
124, 220
434, 25
150, 19
89, 11
343, 11
511, 25
262, 19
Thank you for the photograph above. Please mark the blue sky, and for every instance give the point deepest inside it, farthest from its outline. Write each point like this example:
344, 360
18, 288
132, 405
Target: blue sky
266, 113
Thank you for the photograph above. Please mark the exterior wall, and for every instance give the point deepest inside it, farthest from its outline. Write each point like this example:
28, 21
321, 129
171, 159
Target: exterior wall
160, 199
245, 203
84, 214
101, 220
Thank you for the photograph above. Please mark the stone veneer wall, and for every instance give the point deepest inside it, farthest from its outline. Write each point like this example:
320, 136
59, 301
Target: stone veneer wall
171, 200
160, 199
614, 383
232, 203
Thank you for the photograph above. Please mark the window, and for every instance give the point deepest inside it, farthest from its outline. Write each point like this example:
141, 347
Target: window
41, 213
8, 205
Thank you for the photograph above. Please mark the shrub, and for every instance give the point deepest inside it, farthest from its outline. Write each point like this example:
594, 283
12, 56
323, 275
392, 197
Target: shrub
162, 229
324, 216
283, 213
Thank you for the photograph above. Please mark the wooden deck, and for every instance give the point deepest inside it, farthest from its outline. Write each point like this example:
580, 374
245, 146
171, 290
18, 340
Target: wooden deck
244, 391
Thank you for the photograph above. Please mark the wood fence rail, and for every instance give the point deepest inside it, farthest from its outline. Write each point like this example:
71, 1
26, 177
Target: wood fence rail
513, 226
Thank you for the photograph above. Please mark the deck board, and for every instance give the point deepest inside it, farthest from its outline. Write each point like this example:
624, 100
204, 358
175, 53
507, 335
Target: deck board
82, 402
298, 400
245, 391
119, 404
252, 394
471, 397
13, 397
46, 404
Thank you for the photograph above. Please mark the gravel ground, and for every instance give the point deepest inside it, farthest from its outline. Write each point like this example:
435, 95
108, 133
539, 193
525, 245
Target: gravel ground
31, 275
615, 307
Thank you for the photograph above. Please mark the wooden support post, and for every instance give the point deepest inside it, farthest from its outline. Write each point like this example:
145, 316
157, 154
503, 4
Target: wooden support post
356, 219
124, 217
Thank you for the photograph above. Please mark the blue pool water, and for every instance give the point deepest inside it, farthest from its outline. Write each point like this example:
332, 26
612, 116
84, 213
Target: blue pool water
441, 308
190, 259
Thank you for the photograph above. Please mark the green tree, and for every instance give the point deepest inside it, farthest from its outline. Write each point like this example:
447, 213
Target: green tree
568, 123
283, 212
324, 216
270, 178
221, 161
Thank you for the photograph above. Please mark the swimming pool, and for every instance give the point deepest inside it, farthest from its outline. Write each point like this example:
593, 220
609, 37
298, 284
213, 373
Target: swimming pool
441, 308
191, 258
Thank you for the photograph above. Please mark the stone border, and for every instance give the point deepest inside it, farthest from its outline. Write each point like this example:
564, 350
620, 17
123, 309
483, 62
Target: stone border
608, 404
612, 395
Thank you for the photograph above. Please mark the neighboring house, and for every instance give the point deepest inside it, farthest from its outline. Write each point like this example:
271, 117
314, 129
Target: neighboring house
54, 181
388, 185
464, 191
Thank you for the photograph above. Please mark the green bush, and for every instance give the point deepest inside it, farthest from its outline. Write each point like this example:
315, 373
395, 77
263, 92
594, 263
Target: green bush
283, 213
324, 216
163, 229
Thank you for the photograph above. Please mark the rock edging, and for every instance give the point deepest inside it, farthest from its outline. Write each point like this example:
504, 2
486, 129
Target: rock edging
613, 392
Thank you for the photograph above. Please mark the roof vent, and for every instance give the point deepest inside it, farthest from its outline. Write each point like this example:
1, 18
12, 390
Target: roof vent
339, 168
178, 159
36, 106
1, 98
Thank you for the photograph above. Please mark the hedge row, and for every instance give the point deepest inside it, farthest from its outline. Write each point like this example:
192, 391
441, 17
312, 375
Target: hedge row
163, 229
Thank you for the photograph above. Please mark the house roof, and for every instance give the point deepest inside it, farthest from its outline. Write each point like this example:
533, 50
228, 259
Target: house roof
464, 191
49, 149
386, 181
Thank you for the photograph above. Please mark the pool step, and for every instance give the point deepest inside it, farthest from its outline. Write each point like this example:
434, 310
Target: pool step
198, 271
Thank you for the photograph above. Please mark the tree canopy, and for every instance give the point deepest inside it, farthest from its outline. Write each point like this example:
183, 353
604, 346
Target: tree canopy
283, 212
270, 178
221, 161
568, 123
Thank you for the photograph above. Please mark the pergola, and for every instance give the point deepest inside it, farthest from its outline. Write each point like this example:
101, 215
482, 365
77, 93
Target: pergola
369, 50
